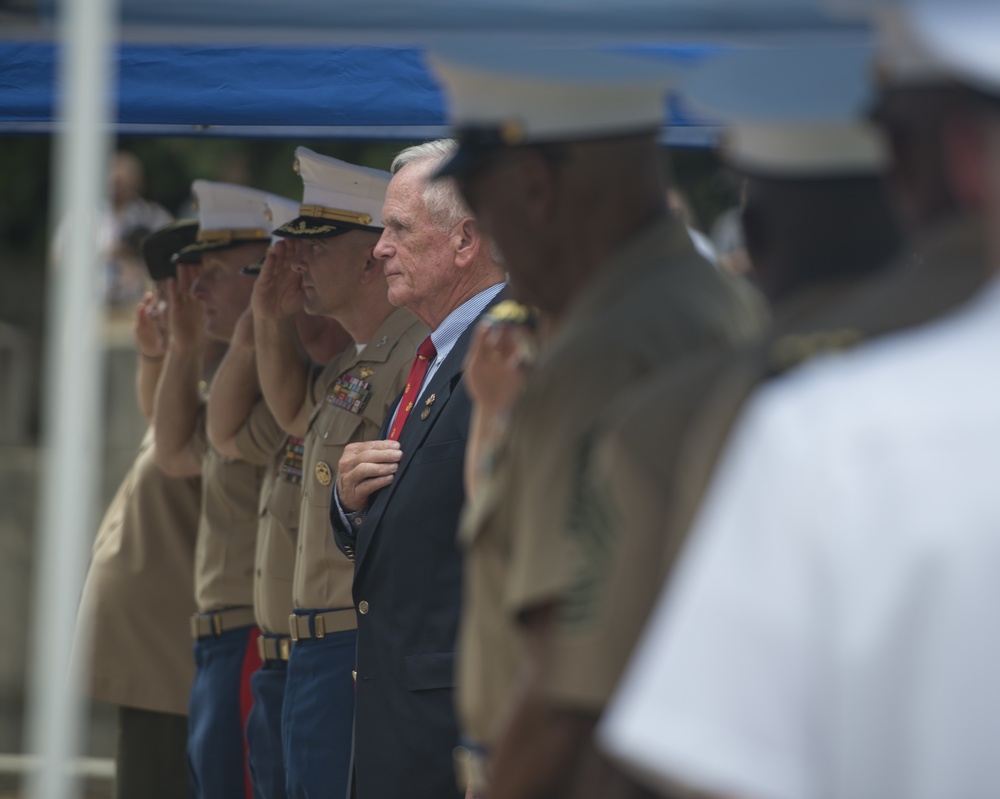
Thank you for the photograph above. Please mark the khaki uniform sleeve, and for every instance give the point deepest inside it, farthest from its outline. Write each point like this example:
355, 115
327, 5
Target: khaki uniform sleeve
260, 436
548, 438
639, 491
613, 582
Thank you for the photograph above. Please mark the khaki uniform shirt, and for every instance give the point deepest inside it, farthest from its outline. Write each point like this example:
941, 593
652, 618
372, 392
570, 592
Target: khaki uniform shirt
227, 529
656, 302
652, 466
353, 395
277, 530
138, 597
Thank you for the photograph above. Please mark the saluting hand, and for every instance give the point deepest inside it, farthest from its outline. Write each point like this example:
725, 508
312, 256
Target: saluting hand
365, 467
277, 292
187, 315
494, 368
150, 330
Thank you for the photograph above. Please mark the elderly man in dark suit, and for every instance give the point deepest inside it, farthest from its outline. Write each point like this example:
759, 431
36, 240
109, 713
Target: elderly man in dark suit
398, 498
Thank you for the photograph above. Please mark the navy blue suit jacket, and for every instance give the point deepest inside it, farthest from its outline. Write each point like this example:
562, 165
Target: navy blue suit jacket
408, 571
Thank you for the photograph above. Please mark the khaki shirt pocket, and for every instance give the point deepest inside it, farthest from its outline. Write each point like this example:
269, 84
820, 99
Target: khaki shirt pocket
284, 502
334, 430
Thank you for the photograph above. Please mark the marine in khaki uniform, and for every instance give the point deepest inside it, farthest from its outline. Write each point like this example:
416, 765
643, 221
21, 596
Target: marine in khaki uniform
133, 625
327, 269
206, 303
234, 392
817, 221
277, 534
577, 207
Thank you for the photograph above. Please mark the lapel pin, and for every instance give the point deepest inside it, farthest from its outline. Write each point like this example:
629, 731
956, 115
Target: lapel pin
382, 341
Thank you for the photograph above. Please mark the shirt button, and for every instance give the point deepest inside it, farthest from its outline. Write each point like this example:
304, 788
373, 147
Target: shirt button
326, 434
362, 607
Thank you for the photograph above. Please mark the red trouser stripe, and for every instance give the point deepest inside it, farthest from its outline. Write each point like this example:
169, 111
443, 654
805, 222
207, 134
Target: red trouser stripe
251, 662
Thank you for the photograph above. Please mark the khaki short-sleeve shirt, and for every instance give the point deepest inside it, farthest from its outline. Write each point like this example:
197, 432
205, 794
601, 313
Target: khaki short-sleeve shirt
353, 395
652, 466
657, 302
138, 597
277, 534
227, 530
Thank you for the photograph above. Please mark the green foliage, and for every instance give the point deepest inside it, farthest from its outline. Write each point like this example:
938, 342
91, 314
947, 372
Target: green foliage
172, 164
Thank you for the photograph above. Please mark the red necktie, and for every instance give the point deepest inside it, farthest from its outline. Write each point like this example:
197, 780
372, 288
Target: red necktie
425, 354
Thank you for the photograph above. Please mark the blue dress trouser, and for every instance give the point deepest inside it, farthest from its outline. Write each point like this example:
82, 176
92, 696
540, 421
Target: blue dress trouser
318, 717
220, 702
267, 760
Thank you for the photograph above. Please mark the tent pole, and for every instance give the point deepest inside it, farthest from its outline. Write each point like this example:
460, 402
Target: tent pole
72, 406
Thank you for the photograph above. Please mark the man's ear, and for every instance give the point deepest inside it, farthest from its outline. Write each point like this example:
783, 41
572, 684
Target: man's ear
467, 240
372, 268
966, 151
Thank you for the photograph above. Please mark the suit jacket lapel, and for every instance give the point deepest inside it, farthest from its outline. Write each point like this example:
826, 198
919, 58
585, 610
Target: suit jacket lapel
416, 430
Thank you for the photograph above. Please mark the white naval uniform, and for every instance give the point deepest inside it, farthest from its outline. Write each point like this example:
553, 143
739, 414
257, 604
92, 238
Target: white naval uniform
834, 628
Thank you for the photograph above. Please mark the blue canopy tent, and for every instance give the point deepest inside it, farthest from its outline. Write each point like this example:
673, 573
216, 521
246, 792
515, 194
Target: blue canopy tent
346, 92
316, 69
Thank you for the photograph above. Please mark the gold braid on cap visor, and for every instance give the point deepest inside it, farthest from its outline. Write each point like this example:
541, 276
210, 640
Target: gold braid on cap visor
232, 234
335, 215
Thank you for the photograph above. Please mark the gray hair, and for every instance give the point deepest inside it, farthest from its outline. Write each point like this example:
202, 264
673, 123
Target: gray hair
441, 196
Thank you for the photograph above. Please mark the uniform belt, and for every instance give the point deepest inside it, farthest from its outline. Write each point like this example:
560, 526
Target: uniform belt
471, 766
277, 647
215, 623
318, 625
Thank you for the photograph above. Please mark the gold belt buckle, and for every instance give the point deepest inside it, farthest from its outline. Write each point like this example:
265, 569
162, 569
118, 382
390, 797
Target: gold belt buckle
293, 626
262, 648
284, 648
320, 626
217, 624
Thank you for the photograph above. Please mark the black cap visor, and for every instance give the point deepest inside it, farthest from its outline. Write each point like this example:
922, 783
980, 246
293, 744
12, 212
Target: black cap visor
159, 247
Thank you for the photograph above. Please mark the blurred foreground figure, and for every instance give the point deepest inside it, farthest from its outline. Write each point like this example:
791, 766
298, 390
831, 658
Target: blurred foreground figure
138, 597
818, 222
558, 158
828, 632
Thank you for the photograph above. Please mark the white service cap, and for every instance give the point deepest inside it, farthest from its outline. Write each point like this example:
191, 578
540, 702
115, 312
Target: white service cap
502, 96
228, 215
903, 58
791, 111
278, 211
337, 197
963, 38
